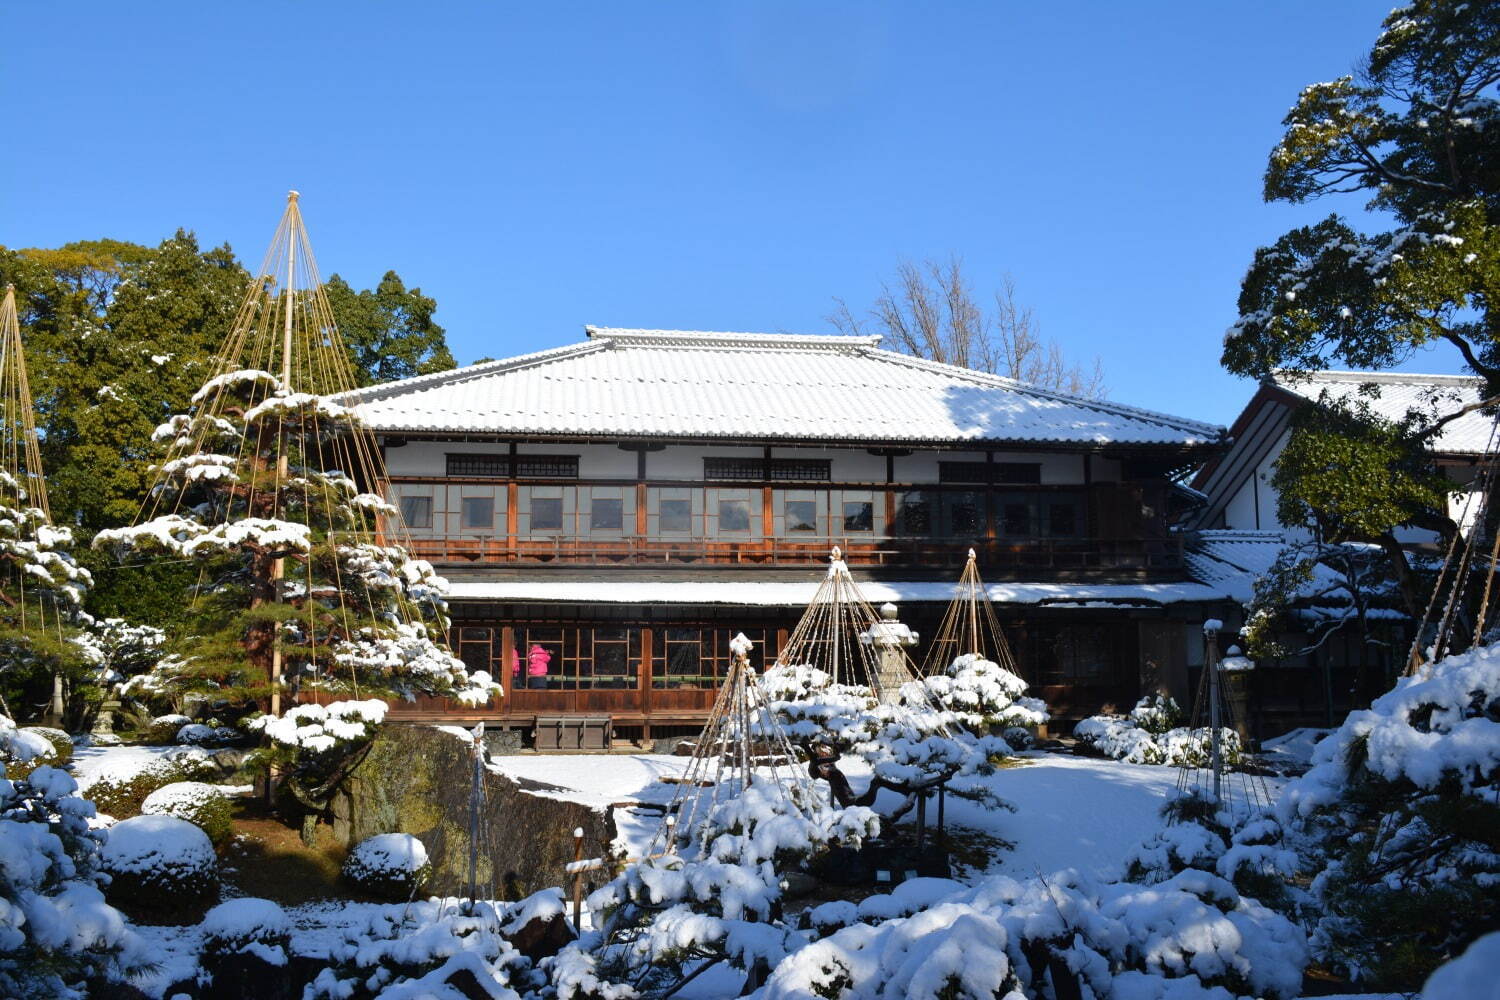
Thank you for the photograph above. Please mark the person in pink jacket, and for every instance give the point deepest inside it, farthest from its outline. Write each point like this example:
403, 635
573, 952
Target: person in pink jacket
537, 659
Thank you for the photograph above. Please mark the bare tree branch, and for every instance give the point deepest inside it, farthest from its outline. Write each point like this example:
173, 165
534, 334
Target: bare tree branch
932, 312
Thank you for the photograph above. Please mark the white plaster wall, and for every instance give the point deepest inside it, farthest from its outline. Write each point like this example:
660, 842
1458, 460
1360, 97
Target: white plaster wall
425, 458
686, 463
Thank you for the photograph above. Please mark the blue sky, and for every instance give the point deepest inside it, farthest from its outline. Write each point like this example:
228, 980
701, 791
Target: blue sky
697, 165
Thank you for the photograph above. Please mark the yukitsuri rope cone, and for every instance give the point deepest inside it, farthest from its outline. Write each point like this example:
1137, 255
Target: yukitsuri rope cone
1210, 775
836, 633
1446, 610
740, 741
969, 626
41, 587
272, 485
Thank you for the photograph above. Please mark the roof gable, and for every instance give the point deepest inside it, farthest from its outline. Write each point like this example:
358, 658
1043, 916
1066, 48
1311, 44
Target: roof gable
695, 385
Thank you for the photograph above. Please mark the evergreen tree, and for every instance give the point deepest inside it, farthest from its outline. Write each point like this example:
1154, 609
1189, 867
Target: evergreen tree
389, 332
1414, 129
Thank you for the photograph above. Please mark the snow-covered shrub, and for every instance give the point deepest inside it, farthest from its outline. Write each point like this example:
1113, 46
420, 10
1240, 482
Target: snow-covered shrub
1156, 714
1246, 847
159, 862
57, 934
312, 747
245, 926
984, 697
23, 750
1397, 820
391, 865
1137, 738
121, 793
419, 951
913, 744
120, 651
164, 729
204, 806
1181, 938
720, 897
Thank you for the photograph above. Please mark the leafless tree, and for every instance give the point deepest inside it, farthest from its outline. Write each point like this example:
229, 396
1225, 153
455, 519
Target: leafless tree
931, 311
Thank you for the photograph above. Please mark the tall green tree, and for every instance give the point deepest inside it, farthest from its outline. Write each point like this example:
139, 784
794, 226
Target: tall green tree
389, 331
1414, 130
119, 336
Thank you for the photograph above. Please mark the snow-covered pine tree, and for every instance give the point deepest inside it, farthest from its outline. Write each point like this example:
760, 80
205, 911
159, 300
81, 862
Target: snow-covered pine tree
268, 486
292, 571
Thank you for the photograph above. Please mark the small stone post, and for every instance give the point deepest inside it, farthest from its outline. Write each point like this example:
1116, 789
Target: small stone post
578, 880
1211, 664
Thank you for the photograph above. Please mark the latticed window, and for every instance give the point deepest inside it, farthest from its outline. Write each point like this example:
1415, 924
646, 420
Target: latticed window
800, 470
700, 657
985, 472
546, 466
963, 472
778, 470
487, 466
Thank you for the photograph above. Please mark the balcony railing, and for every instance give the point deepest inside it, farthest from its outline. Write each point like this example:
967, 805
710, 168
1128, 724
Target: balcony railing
1144, 557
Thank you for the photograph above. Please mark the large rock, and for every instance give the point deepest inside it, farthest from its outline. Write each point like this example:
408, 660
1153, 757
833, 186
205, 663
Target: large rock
417, 779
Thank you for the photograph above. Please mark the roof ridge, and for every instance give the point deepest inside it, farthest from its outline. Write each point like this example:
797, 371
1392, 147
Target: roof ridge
1283, 375
452, 375
1004, 381
793, 341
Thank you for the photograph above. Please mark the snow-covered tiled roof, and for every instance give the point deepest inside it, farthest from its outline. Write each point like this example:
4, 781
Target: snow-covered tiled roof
1229, 561
1399, 393
661, 383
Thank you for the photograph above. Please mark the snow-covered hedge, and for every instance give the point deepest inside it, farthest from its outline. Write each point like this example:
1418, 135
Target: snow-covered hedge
164, 729
57, 934
205, 806
159, 862
1396, 820
244, 926
1139, 739
391, 865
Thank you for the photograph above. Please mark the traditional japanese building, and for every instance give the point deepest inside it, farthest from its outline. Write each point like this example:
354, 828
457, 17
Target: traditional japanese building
612, 512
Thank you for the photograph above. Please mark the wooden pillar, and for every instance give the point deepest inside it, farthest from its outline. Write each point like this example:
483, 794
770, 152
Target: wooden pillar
767, 521
507, 677
989, 496
512, 516
644, 680
642, 524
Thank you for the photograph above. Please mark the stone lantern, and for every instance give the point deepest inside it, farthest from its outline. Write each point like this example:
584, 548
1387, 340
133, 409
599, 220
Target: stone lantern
889, 638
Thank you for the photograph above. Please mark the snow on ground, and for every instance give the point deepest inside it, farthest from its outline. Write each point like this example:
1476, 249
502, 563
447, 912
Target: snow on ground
596, 780
1295, 747
1072, 812
92, 763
